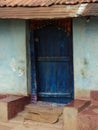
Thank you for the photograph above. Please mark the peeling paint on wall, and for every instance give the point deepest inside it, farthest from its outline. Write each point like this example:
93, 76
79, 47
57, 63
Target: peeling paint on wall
13, 73
13, 64
20, 71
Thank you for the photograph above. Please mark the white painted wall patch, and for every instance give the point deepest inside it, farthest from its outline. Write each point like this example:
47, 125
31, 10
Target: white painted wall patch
13, 64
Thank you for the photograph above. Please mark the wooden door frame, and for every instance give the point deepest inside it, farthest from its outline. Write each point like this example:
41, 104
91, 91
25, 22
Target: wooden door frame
68, 27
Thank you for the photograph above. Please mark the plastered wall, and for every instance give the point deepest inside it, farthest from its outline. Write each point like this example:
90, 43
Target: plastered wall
13, 72
85, 47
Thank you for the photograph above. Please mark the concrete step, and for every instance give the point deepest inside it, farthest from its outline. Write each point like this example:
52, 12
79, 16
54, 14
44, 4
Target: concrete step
94, 97
10, 105
71, 112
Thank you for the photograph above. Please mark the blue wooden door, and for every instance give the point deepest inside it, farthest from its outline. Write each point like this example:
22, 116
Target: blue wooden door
54, 71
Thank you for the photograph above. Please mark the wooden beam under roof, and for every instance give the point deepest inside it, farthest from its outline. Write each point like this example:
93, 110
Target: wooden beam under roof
52, 12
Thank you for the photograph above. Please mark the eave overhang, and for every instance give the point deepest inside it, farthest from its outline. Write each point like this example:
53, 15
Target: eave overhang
51, 12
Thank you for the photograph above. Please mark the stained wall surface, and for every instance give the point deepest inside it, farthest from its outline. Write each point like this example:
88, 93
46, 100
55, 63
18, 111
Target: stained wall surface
85, 44
13, 71
13, 59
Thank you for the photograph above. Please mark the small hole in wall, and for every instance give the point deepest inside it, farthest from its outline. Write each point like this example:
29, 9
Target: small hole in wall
88, 19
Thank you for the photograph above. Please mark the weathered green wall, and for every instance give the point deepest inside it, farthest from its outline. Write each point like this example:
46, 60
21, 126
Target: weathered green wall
13, 73
85, 42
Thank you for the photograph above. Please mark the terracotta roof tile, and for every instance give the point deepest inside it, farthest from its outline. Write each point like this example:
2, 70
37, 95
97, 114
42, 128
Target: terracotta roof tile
31, 3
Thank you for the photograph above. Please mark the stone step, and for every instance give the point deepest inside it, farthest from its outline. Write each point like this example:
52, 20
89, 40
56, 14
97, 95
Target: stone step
42, 113
36, 108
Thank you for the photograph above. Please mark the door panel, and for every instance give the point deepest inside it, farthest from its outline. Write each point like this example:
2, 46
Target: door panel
53, 64
52, 42
53, 75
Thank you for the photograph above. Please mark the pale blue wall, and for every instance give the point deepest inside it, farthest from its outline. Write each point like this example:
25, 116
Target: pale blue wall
13, 70
85, 42
13, 73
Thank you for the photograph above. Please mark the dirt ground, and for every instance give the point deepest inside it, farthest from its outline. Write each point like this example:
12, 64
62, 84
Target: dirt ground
18, 123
